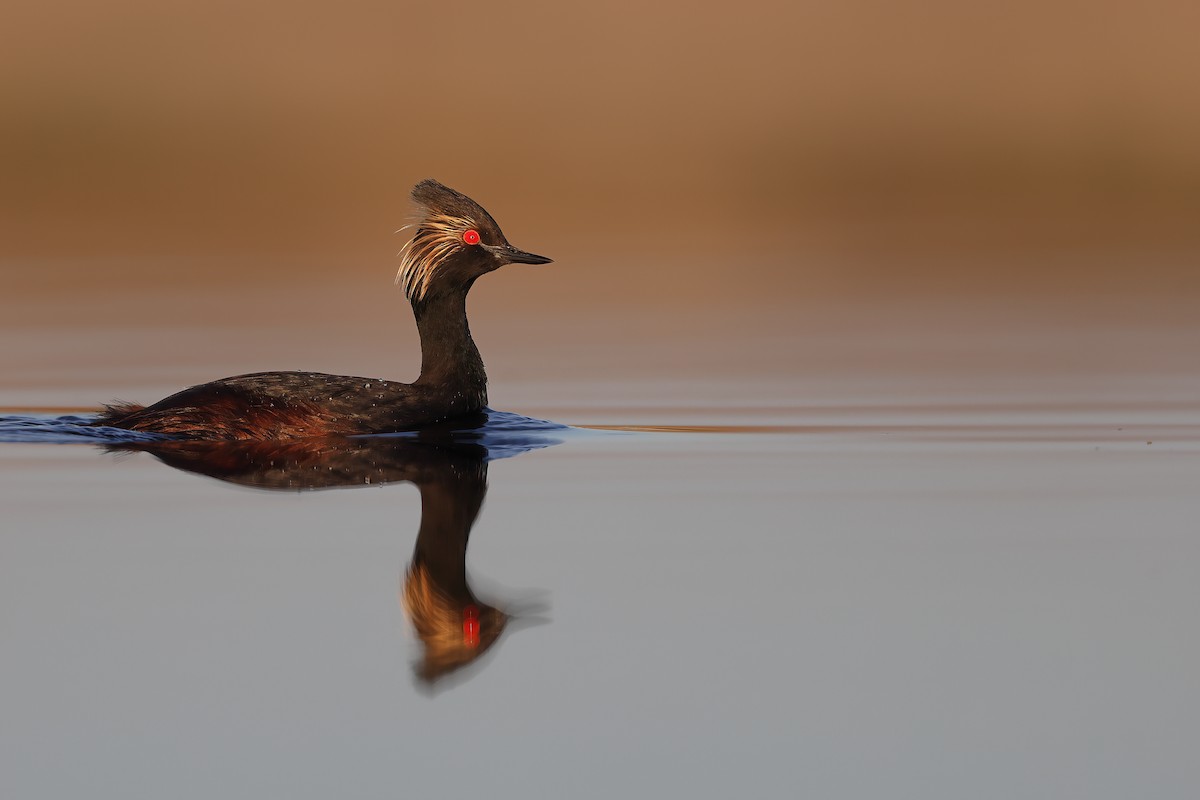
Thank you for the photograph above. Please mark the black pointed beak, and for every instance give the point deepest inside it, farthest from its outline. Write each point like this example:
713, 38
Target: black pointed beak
514, 256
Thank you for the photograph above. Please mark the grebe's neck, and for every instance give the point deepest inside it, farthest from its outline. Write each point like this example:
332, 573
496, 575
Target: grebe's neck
451, 497
449, 358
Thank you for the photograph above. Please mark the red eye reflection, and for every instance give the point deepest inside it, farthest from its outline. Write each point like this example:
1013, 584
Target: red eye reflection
471, 613
471, 237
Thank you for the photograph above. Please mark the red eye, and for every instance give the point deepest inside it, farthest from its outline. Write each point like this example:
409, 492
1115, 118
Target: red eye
471, 237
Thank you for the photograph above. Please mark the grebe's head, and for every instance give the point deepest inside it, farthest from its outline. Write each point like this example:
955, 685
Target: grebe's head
456, 242
455, 631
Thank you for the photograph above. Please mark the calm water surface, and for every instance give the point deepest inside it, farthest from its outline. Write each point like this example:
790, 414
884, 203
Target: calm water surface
855, 593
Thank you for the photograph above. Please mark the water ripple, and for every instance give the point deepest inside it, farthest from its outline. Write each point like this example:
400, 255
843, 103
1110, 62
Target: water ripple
503, 433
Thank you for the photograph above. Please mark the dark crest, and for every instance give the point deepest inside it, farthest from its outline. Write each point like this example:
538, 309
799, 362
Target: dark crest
437, 198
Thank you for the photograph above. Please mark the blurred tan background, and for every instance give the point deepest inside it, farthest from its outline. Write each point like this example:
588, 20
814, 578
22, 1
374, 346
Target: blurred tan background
846, 130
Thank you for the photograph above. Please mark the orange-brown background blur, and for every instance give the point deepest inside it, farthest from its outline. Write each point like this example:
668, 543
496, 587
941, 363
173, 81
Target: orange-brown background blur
774, 152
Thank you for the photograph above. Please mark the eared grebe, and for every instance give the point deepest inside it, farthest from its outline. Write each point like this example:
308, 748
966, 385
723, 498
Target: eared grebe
456, 241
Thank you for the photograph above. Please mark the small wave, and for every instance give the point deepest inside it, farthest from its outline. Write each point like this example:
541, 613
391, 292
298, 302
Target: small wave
502, 434
68, 429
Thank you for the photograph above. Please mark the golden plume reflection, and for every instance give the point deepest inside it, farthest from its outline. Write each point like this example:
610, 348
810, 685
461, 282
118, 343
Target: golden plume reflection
455, 626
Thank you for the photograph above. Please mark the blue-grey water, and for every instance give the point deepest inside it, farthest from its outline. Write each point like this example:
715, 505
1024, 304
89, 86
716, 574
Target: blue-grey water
857, 583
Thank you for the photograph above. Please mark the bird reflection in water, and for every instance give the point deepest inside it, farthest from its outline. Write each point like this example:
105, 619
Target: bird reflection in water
454, 625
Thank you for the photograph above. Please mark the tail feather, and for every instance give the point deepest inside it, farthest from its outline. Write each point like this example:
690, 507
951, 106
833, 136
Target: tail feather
115, 413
